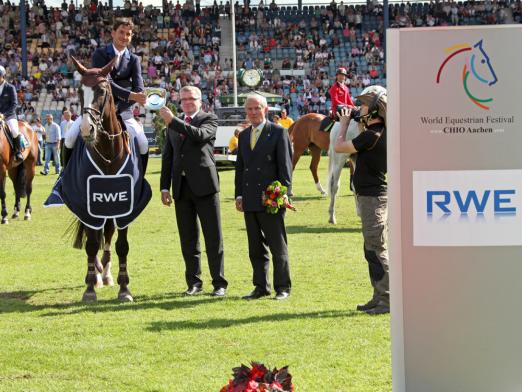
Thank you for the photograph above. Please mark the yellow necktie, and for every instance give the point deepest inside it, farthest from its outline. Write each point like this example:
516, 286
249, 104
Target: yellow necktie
254, 136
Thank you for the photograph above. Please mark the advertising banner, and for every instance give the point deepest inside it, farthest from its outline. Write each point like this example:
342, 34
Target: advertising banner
455, 202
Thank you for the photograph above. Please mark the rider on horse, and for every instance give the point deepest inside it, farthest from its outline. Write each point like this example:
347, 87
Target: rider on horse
126, 83
8, 103
340, 97
339, 92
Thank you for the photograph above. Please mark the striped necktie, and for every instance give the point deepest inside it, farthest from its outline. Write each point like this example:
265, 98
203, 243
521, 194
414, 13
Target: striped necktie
254, 136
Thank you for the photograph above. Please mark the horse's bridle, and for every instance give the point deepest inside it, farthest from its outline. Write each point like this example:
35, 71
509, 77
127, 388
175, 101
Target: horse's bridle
96, 117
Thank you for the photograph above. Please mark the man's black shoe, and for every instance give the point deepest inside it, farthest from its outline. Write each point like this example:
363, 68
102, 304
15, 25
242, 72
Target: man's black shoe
282, 295
256, 295
219, 292
193, 290
44, 173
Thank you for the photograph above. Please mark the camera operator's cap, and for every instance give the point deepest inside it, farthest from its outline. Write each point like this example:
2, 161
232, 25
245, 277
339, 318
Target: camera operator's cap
342, 71
156, 98
2, 70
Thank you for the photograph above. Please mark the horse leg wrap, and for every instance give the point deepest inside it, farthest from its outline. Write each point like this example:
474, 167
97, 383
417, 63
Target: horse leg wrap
123, 277
90, 279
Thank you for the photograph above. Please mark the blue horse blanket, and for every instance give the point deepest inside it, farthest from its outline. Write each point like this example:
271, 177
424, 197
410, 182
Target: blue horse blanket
94, 196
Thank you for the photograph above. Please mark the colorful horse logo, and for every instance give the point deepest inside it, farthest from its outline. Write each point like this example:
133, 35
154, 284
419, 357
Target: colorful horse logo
479, 65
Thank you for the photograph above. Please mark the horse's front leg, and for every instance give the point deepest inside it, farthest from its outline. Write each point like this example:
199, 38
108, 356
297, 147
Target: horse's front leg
16, 208
108, 232
336, 166
28, 190
2, 198
91, 248
122, 249
314, 165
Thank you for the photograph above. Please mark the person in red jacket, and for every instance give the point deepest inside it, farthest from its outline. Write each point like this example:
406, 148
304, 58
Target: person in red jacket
339, 92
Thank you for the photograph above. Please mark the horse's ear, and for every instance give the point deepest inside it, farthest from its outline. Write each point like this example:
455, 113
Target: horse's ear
108, 68
81, 69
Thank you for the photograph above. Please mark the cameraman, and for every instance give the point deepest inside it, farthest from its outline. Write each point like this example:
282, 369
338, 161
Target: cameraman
371, 189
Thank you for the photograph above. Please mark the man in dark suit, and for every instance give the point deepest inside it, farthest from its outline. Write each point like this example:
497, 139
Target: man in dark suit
188, 165
8, 103
264, 155
126, 83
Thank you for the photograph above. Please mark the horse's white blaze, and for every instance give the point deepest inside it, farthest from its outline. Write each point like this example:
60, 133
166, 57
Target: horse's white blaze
86, 124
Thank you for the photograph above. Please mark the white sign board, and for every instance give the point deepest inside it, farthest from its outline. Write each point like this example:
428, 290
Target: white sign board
455, 201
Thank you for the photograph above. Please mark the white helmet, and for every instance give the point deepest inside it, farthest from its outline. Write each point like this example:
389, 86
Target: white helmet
2, 71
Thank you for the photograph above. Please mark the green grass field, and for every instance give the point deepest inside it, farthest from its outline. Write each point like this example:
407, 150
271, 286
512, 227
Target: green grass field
51, 341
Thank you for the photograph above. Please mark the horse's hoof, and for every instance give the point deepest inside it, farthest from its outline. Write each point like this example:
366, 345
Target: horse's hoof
99, 281
27, 217
323, 193
15, 216
125, 296
108, 281
5, 221
333, 221
89, 296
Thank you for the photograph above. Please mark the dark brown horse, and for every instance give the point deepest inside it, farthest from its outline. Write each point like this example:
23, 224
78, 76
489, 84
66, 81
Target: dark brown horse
108, 145
305, 133
21, 174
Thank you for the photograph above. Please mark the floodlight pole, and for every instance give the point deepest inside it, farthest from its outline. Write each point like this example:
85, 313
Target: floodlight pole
234, 63
23, 31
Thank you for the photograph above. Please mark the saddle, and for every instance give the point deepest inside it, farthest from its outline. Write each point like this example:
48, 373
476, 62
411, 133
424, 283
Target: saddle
24, 143
327, 124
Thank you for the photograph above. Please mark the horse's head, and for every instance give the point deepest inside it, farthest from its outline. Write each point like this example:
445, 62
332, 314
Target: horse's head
481, 66
95, 98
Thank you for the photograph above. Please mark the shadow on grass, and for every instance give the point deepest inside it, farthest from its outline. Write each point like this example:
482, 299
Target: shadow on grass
19, 302
318, 197
159, 326
321, 229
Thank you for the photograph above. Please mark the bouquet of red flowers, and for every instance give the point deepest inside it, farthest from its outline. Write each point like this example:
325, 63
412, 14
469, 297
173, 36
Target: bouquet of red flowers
276, 197
259, 379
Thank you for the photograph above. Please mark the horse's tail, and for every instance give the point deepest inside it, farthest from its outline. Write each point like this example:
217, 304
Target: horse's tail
20, 180
80, 235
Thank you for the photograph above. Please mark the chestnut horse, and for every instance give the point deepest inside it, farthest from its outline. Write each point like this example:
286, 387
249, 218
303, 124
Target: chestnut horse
305, 133
21, 174
107, 143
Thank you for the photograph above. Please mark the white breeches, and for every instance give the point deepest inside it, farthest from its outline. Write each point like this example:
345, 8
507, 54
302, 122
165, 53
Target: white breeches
13, 127
134, 128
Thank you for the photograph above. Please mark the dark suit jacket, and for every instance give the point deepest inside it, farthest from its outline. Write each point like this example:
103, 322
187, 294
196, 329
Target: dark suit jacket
8, 101
126, 78
271, 160
190, 149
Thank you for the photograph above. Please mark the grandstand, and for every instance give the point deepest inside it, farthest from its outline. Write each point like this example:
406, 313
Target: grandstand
298, 48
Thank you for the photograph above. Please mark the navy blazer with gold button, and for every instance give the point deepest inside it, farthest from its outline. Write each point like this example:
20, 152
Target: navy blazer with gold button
8, 101
125, 78
270, 160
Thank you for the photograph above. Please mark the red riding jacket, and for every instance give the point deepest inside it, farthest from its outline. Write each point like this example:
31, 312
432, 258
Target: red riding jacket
340, 95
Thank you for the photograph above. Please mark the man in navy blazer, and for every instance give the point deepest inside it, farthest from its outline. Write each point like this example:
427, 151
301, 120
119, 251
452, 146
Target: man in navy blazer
188, 166
264, 156
8, 103
126, 83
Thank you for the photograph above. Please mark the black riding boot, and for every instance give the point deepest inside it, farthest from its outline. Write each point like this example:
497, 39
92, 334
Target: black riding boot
18, 148
67, 152
144, 162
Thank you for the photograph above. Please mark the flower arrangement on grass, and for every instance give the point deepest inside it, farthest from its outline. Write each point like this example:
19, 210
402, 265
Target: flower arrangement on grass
259, 379
276, 197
